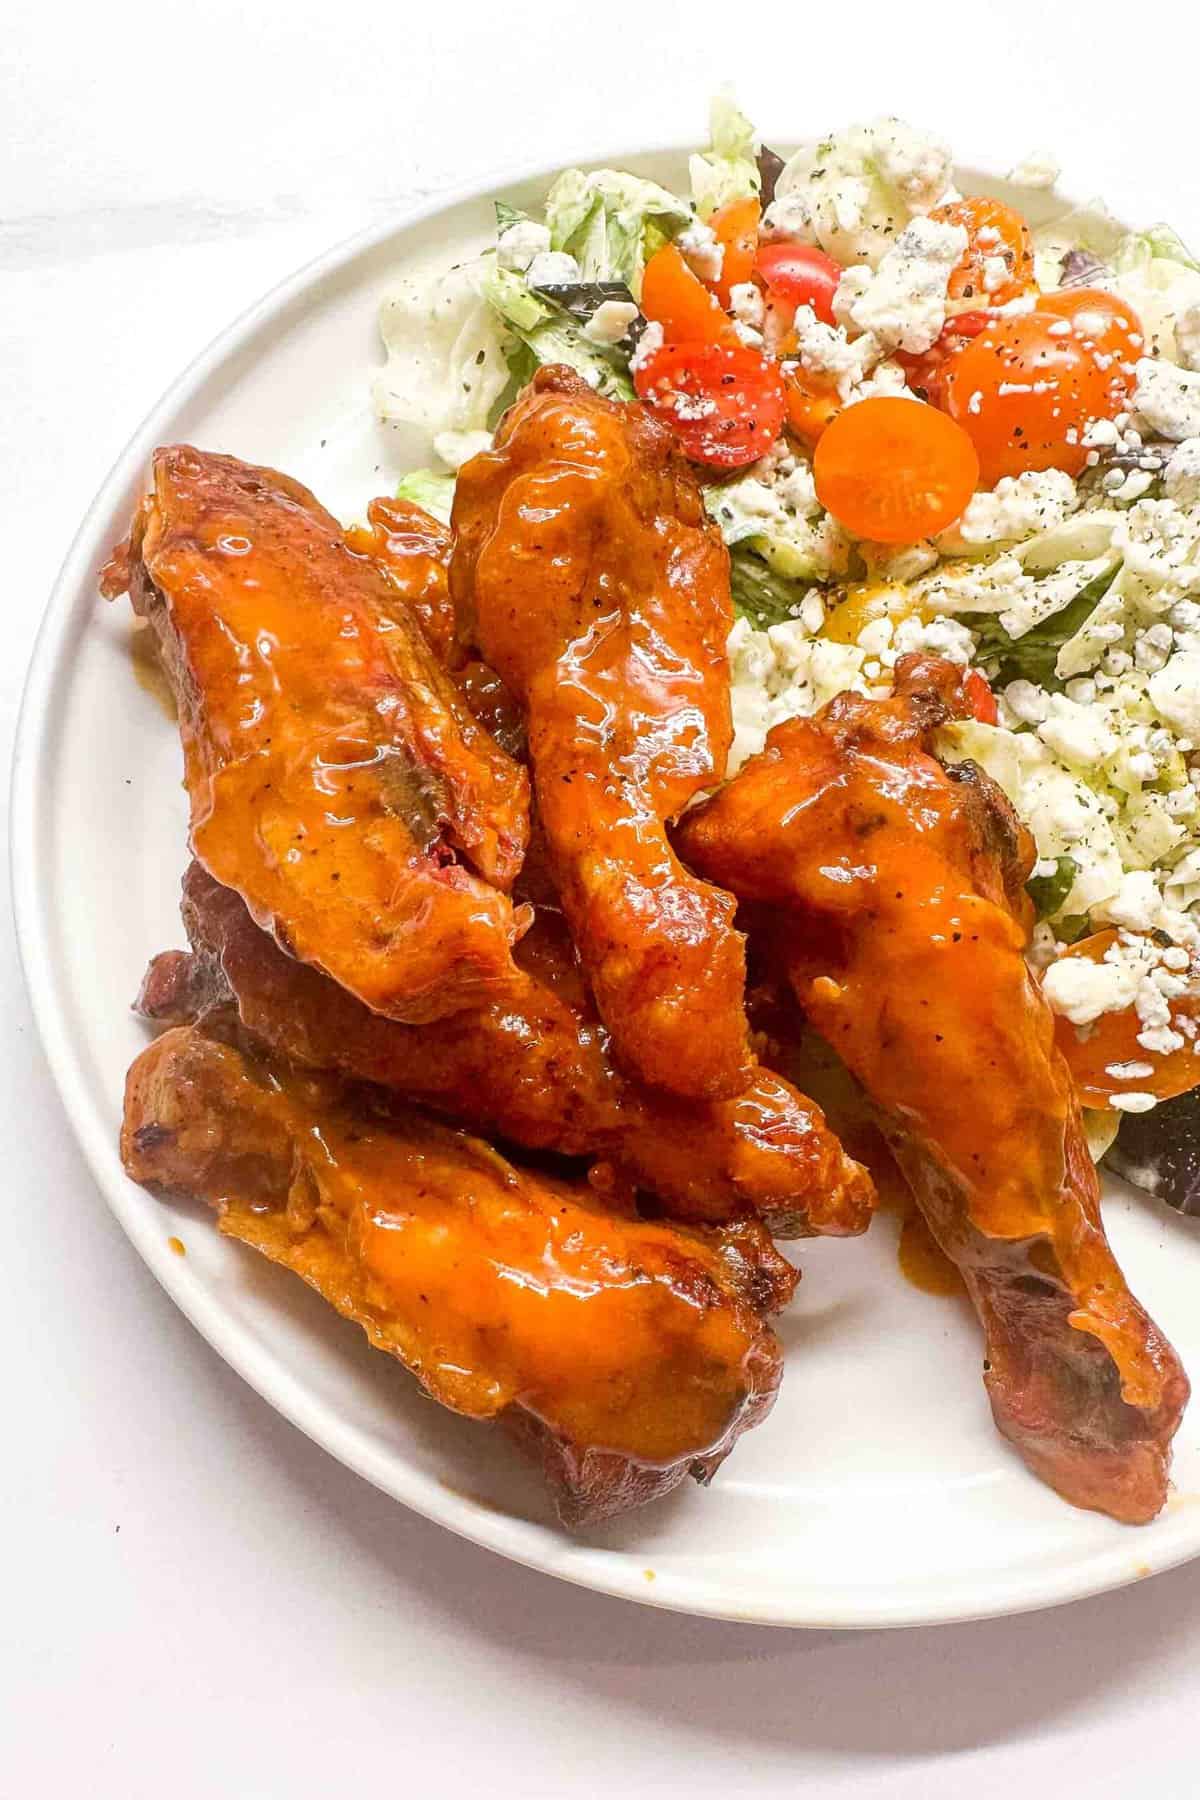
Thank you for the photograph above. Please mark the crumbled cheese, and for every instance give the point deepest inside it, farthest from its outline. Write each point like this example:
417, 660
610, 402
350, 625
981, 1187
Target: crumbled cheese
1133, 1103
1016, 508
1181, 477
826, 352
1129, 1071
702, 250
1167, 399
648, 344
1083, 991
1187, 336
995, 273
519, 243
903, 302
610, 321
552, 268
1175, 693
858, 188
1079, 734
746, 303
1040, 169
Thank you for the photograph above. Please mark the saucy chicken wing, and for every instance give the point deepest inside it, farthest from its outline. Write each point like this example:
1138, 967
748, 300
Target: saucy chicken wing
586, 573
337, 780
533, 1067
624, 1352
892, 890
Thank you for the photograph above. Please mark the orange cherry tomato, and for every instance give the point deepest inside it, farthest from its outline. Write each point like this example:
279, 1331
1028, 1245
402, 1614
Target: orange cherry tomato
801, 275
894, 470
981, 697
993, 230
736, 226
1026, 389
810, 407
1112, 1043
676, 299
724, 406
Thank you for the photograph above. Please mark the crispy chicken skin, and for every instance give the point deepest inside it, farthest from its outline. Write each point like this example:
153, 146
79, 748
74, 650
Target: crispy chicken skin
586, 573
892, 891
533, 1067
624, 1352
337, 780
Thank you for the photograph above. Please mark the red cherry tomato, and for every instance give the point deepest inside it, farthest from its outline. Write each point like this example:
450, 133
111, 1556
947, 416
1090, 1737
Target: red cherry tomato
894, 470
983, 701
1027, 388
801, 275
724, 406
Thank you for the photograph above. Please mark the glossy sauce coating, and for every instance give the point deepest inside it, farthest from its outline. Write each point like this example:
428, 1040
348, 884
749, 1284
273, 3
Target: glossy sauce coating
637, 1342
586, 573
337, 781
896, 901
534, 1066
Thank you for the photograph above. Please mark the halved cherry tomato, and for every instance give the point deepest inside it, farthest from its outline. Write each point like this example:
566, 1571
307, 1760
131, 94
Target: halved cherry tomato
924, 368
810, 406
894, 470
724, 406
676, 299
1026, 389
981, 697
993, 230
801, 274
736, 226
1112, 1043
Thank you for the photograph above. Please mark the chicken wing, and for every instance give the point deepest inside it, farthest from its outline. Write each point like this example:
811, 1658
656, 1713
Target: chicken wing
586, 573
894, 896
413, 550
337, 780
624, 1352
533, 1067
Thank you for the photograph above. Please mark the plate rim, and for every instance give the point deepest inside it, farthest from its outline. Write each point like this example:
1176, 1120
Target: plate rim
65, 616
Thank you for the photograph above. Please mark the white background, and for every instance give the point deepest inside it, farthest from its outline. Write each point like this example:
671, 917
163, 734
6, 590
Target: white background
195, 1601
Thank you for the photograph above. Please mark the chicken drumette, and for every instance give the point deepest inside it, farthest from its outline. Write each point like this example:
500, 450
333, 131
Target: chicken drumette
623, 1352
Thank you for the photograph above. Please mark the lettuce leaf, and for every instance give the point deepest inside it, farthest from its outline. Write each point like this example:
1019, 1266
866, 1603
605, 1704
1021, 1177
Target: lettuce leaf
728, 169
429, 489
609, 221
760, 595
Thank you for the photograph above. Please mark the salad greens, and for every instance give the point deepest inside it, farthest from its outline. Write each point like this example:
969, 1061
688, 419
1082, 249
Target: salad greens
728, 169
611, 222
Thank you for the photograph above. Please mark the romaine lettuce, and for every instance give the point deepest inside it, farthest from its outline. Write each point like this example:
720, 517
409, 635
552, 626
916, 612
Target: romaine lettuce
429, 489
728, 169
602, 218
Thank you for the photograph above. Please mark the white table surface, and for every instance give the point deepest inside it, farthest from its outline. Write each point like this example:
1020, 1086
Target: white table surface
196, 1601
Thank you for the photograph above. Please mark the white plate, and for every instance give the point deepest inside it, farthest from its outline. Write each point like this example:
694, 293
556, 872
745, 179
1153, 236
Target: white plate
877, 1492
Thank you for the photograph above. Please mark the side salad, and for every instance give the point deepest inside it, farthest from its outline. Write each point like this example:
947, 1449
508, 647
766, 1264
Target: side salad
921, 424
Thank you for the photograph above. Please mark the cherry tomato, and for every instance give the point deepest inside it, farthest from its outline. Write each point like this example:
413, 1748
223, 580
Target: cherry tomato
924, 369
678, 300
736, 226
810, 407
1027, 388
894, 470
801, 275
981, 697
724, 406
993, 230
862, 604
1112, 1042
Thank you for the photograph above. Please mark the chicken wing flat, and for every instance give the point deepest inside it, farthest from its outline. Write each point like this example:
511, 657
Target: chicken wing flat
894, 895
587, 575
625, 1353
337, 780
533, 1067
